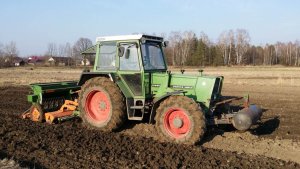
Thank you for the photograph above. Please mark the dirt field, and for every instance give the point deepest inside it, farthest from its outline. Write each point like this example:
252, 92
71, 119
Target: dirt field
275, 143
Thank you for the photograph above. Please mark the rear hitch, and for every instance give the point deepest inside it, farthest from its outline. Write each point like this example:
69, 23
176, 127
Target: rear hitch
241, 119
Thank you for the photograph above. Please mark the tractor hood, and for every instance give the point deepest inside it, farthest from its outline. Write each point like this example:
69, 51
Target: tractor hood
202, 88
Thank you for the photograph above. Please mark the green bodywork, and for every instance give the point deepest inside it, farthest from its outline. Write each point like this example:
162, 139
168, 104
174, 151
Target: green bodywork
140, 86
198, 87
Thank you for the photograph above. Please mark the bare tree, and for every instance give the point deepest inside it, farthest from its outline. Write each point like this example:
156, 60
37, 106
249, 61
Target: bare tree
205, 39
52, 50
231, 40
163, 35
269, 54
10, 52
81, 45
1, 55
11, 49
289, 53
206, 50
61, 50
69, 53
297, 48
277, 51
222, 43
186, 44
1, 49
242, 44
175, 39
226, 43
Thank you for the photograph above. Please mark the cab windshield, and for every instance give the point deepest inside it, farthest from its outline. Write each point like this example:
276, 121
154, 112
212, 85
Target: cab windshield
153, 58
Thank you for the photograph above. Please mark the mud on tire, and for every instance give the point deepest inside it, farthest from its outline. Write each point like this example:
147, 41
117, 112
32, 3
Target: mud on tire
101, 104
179, 119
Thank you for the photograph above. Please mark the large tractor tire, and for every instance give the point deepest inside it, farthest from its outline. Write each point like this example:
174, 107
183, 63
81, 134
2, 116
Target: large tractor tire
179, 119
101, 104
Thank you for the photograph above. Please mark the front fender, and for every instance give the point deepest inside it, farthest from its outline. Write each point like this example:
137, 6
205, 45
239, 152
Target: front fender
157, 102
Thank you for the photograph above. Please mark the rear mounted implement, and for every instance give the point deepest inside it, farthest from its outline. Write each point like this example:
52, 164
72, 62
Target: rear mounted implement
52, 102
246, 117
242, 116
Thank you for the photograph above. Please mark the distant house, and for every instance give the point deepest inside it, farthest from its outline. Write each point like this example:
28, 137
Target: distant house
14, 61
21, 63
6, 59
85, 62
89, 56
17, 61
36, 60
58, 61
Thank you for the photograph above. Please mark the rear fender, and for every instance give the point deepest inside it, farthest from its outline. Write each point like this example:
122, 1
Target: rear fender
159, 100
85, 76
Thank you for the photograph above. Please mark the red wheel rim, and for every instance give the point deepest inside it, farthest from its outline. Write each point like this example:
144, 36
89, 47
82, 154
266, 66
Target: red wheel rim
177, 123
98, 106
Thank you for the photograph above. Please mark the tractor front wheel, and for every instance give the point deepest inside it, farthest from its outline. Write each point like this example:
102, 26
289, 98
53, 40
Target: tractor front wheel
101, 104
179, 119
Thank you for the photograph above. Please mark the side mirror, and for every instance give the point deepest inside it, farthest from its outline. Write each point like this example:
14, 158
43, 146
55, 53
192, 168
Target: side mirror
127, 53
143, 40
121, 50
165, 43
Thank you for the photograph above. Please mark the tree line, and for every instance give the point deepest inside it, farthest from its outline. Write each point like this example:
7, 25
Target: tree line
232, 47
186, 48
8, 52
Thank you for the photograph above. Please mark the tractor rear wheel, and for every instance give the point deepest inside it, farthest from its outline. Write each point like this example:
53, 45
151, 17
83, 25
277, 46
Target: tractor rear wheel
101, 104
179, 119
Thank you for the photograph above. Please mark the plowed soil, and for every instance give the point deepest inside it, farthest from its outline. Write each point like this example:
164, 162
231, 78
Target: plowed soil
69, 145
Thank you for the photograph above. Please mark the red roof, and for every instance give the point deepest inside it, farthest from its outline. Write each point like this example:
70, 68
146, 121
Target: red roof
34, 59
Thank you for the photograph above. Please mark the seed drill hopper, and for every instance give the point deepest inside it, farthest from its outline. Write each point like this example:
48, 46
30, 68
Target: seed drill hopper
130, 81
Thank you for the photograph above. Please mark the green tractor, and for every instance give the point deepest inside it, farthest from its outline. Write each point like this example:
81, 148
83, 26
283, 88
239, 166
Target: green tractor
130, 81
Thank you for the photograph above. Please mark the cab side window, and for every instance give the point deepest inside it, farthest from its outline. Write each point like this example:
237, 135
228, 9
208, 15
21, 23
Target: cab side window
130, 59
107, 55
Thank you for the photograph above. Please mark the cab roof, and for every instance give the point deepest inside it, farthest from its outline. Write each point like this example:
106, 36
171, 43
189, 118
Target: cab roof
128, 37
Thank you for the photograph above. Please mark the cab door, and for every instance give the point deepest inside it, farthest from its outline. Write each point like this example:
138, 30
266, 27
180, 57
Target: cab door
130, 69
131, 78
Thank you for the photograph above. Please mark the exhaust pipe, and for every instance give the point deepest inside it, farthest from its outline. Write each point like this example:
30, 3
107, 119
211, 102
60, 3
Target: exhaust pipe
246, 117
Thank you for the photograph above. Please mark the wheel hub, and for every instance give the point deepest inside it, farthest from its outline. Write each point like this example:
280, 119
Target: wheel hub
102, 105
177, 122
98, 106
